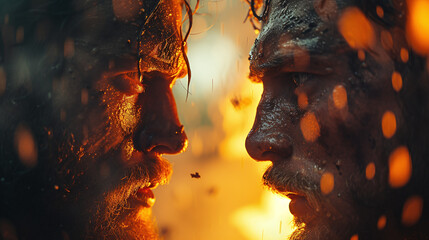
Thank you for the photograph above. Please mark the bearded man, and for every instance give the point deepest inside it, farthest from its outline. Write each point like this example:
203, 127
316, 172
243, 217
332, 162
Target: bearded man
87, 112
343, 117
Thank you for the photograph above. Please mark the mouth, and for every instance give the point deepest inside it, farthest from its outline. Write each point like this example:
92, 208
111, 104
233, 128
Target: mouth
299, 187
298, 206
144, 196
142, 179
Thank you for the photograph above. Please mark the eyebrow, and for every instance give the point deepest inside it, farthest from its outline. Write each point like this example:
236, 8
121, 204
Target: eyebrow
113, 49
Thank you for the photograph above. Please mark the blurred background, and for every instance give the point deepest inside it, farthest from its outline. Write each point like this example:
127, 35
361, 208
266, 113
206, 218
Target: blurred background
228, 200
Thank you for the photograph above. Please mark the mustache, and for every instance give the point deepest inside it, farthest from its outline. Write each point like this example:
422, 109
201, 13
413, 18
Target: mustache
280, 179
151, 171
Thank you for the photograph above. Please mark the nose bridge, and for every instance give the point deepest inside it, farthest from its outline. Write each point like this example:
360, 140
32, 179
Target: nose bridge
269, 139
161, 130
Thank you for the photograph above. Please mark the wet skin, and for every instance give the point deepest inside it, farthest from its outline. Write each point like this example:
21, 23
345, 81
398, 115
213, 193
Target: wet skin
300, 50
111, 127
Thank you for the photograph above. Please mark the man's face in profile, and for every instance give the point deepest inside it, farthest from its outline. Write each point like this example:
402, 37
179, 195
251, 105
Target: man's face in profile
328, 115
114, 116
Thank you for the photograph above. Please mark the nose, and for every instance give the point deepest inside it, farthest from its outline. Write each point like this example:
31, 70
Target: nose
268, 139
161, 131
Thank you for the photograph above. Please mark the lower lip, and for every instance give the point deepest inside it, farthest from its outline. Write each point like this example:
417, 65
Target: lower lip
298, 206
144, 197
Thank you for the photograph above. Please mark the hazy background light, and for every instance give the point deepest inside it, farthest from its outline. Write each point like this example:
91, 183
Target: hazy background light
217, 116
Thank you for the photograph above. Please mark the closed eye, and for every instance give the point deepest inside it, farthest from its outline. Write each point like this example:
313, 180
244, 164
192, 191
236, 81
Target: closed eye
127, 83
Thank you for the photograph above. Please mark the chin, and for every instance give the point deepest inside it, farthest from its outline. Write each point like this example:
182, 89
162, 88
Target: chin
129, 219
323, 229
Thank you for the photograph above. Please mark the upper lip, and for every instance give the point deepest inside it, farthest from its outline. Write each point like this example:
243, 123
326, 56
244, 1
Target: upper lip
289, 192
155, 177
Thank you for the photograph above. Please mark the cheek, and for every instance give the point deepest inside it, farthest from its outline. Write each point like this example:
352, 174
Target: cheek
128, 113
109, 124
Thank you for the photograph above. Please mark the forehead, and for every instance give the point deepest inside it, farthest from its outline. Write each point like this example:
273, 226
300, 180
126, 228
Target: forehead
112, 26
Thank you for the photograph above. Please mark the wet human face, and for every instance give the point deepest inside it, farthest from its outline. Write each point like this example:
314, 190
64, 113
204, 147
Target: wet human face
319, 120
118, 114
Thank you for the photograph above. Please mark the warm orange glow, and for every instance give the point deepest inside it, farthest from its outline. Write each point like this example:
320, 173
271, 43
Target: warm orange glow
302, 100
310, 127
397, 81
370, 171
355, 237
356, 28
339, 95
26, 146
380, 11
386, 40
418, 25
327, 183
388, 124
400, 167
412, 210
404, 55
236, 121
361, 55
268, 220
381, 223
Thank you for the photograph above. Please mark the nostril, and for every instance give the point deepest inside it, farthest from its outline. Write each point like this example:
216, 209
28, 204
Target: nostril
270, 147
163, 141
269, 156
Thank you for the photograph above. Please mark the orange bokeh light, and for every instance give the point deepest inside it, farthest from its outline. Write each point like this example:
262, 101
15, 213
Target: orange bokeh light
26, 146
418, 25
370, 171
355, 237
388, 124
69, 48
380, 11
310, 127
381, 223
400, 167
302, 100
397, 81
412, 210
356, 28
361, 55
404, 55
327, 183
339, 95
